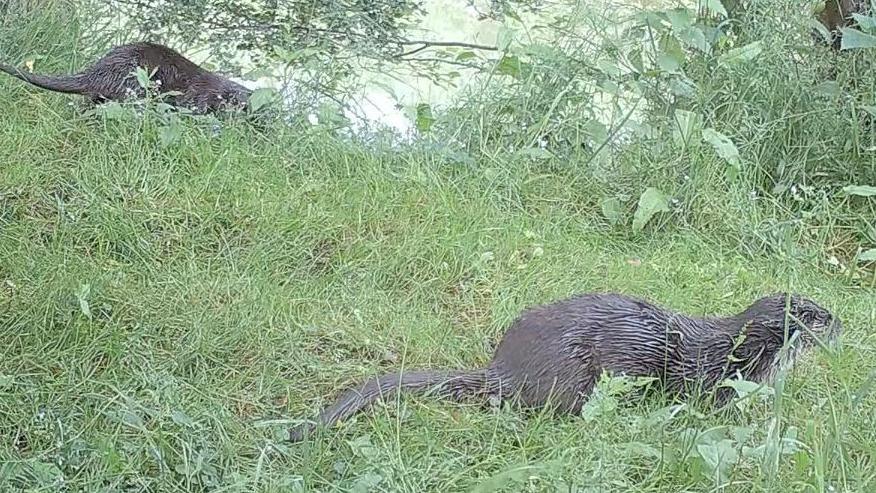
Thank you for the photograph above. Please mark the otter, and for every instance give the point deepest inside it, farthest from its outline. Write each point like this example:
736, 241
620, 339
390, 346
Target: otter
111, 78
836, 15
552, 355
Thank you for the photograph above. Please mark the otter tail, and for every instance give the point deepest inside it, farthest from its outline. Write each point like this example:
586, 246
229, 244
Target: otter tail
453, 384
65, 84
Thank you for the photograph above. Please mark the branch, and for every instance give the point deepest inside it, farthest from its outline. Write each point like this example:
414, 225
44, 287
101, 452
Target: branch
429, 44
441, 60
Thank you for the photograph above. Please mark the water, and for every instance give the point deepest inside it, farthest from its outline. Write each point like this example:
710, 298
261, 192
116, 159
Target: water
390, 99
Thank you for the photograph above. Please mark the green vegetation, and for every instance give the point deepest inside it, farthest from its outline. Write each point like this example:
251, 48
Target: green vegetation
172, 298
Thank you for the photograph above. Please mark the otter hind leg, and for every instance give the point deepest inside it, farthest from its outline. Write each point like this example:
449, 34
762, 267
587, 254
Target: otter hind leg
562, 384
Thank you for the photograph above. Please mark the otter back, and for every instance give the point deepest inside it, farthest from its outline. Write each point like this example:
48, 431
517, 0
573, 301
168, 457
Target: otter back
111, 78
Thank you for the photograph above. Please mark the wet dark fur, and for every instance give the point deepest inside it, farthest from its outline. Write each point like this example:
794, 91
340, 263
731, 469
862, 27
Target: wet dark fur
111, 79
554, 354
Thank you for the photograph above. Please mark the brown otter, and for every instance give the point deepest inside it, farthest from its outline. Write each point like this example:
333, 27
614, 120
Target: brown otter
836, 15
111, 79
553, 355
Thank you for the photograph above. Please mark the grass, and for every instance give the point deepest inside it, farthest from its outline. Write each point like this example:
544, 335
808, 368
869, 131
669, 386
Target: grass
166, 311
169, 310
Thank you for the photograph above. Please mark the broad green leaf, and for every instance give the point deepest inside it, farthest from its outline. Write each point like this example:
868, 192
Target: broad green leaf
170, 133
511, 65
724, 147
465, 55
142, 77
694, 36
261, 97
719, 456
854, 39
861, 190
82, 296
651, 202
742, 54
424, 117
612, 209
680, 18
362, 447
366, 483
866, 23
682, 87
715, 6
668, 62
868, 256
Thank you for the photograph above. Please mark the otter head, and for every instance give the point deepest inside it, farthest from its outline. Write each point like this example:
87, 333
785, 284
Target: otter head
804, 321
236, 96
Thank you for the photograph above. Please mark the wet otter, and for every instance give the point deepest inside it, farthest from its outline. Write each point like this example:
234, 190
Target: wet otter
553, 354
111, 79
836, 15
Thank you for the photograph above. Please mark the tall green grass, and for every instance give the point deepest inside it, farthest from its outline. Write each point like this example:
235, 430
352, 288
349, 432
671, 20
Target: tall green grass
167, 310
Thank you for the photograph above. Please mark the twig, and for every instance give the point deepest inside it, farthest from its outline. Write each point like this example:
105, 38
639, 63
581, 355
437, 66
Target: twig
459, 44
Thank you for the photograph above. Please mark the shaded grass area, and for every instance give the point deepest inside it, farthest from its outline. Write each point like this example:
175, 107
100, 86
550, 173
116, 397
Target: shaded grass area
168, 311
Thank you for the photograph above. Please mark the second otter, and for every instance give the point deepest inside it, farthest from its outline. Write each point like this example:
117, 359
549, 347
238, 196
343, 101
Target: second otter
111, 79
554, 354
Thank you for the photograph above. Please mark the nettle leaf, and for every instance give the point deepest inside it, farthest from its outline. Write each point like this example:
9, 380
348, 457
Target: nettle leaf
694, 36
511, 65
668, 62
725, 148
651, 202
854, 39
719, 456
742, 54
261, 97
424, 117
680, 18
142, 77
860, 190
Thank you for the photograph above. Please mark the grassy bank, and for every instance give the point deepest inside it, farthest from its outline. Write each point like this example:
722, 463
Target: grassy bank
162, 305
170, 303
